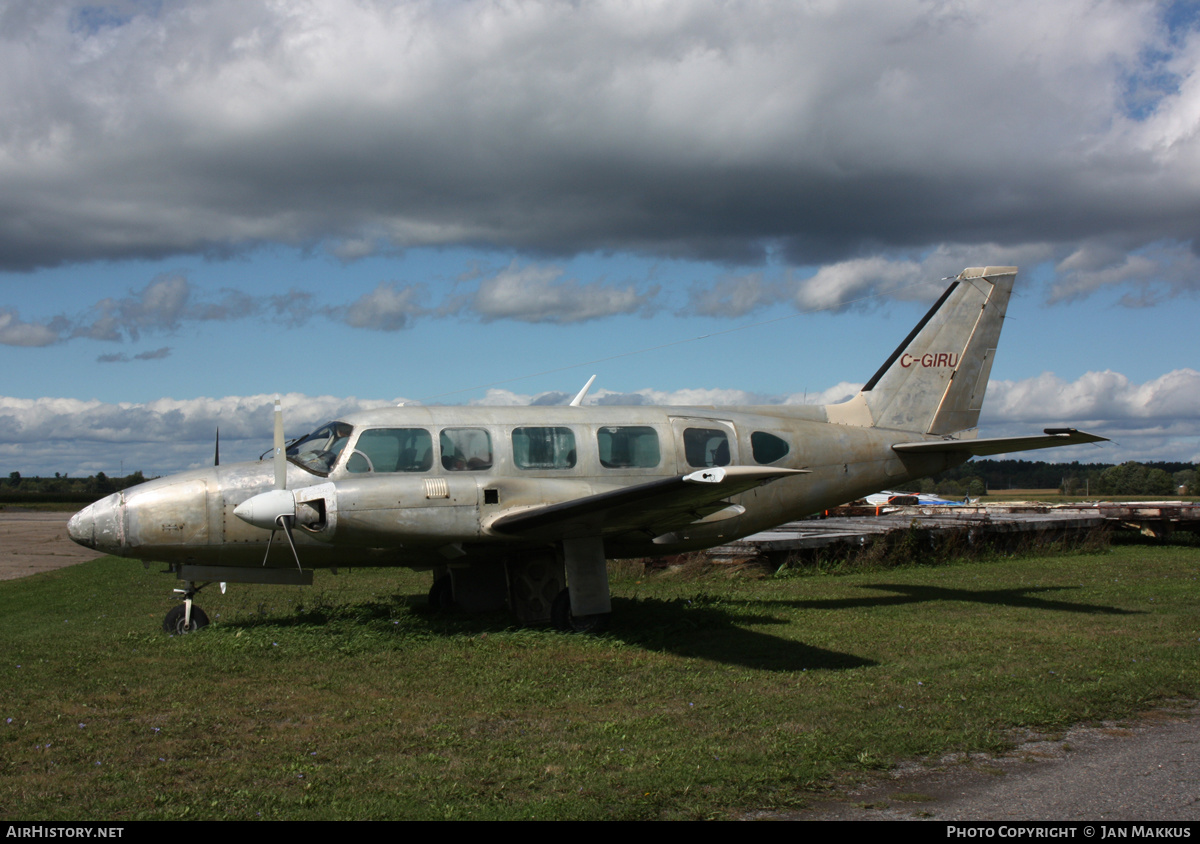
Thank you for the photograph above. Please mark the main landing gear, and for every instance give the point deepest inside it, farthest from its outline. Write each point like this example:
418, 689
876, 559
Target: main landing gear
441, 594
186, 617
525, 598
566, 621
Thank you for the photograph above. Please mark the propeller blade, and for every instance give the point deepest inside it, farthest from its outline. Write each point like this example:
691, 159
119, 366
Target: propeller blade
286, 523
276, 508
280, 454
270, 542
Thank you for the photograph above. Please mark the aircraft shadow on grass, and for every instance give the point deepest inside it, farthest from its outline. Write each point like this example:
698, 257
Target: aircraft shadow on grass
701, 628
689, 628
1024, 597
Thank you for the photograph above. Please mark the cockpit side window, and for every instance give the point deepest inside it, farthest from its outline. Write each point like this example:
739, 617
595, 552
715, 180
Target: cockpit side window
318, 451
466, 449
392, 450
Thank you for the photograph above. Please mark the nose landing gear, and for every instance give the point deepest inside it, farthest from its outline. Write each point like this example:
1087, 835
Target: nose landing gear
178, 621
186, 617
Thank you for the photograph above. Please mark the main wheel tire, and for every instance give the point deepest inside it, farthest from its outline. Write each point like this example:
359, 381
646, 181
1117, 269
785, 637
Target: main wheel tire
566, 621
441, 593
173, 623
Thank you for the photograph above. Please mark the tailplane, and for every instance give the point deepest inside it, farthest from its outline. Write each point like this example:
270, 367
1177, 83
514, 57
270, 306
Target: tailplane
935, 380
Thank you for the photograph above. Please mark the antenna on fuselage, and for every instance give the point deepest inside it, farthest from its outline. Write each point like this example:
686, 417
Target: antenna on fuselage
217, 449
578, 400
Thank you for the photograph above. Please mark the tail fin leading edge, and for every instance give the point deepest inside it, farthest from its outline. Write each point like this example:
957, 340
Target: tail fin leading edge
935, 380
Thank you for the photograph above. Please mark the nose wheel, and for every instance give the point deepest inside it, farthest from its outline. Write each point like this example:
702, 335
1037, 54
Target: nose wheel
178, 621
186, 617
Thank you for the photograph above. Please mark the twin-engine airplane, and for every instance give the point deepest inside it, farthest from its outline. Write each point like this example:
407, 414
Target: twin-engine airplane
521, 506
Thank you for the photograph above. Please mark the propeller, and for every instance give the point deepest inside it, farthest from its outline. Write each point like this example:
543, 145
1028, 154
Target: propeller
275, 509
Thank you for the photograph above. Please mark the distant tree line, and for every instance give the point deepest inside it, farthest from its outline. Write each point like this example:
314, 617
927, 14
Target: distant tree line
974, 478
17, 489
978, 477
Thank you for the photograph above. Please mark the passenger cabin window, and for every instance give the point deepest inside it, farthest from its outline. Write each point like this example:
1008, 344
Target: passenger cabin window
318, 451
628, 448
543, 448
768, 448
466, 449
706, 446
392, 450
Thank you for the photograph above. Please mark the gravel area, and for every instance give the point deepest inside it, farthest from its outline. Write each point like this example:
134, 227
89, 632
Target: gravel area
33, 542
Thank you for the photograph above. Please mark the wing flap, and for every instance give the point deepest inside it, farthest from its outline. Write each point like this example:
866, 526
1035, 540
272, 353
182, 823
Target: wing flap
655, 506
1052, 438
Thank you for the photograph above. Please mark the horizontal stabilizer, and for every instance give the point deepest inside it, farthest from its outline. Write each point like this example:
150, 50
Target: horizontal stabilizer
655, 506
1053, 438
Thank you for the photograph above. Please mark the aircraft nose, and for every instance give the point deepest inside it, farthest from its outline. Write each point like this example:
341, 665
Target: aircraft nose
100, 525
81, 526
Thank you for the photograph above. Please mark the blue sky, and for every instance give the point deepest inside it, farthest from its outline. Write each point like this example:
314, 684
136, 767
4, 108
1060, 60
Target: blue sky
204, 204
779, 350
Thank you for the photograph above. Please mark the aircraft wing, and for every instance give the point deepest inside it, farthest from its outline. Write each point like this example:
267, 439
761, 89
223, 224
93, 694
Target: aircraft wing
656, 506
1052, 438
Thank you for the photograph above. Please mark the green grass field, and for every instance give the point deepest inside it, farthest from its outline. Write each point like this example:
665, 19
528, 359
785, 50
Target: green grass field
715, 694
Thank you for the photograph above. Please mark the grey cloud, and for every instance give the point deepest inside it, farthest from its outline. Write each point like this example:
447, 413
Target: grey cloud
1158, 271
633, 399
388, 307
159, 306
814, 132
527, 294
540, 294
736, 295
551, 398
162, 306
293, 309
169, 300
837, 285
234, 304
15, 332
859, 282
121, 357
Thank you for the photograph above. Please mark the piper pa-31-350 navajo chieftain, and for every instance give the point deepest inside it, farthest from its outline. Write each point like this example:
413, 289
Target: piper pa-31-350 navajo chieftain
521, 506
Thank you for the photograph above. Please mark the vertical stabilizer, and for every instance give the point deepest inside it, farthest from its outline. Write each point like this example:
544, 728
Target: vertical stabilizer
935, 380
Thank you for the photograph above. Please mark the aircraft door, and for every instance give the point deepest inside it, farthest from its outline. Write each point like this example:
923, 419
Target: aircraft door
702, 443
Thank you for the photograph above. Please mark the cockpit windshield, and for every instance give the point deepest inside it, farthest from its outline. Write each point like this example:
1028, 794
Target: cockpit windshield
318, 451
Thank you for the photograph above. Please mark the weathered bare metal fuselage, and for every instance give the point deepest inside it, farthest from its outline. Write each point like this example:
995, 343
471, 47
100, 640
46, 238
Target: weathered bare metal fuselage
408, 519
